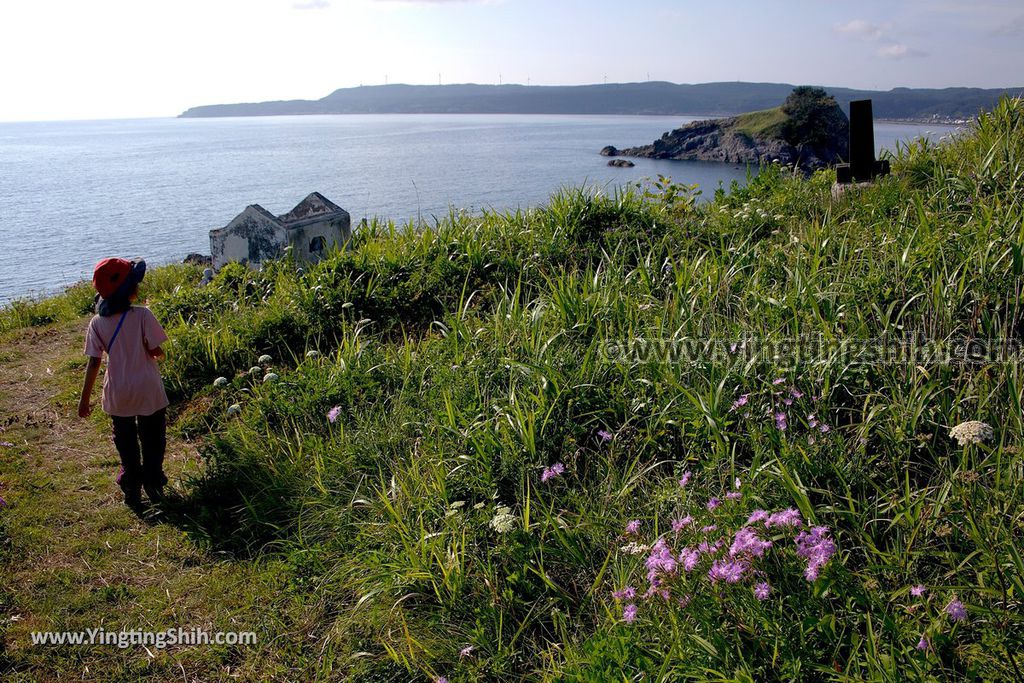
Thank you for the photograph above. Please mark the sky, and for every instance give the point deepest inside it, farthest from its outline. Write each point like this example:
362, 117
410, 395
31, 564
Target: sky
88, 59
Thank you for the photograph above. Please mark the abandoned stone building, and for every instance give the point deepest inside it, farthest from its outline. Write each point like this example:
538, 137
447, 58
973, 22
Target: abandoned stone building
311, 229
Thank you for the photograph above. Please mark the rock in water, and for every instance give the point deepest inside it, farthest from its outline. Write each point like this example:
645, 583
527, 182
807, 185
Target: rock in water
621, 163
809, 131
609, 151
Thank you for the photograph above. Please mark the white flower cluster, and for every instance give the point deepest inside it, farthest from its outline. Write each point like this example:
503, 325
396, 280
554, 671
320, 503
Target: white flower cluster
503, 521
971, 432
751, 209
634, 548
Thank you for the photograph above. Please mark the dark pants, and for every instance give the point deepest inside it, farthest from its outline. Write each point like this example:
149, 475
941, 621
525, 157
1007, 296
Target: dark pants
151, 432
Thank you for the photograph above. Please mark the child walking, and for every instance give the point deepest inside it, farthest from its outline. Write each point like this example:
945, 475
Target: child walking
133, 392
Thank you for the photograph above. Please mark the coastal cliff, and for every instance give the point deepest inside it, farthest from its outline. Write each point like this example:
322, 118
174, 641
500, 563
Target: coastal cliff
809, 131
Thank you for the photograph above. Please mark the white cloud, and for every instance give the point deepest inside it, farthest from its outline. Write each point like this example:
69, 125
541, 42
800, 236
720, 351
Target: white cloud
889, 47
311, 4
899, 51
861, 29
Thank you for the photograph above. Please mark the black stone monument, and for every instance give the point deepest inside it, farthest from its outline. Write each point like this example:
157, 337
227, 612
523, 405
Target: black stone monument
863, 166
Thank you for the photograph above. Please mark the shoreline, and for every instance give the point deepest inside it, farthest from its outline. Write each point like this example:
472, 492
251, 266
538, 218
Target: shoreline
699, 116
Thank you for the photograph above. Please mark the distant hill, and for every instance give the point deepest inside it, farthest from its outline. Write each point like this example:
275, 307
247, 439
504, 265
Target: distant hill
654, 98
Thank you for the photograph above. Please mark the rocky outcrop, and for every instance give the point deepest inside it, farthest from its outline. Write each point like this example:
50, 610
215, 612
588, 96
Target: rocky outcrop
762, 137
196, 259
621, 163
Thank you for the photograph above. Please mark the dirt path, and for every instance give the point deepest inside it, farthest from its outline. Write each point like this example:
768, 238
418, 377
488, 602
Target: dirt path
73, 557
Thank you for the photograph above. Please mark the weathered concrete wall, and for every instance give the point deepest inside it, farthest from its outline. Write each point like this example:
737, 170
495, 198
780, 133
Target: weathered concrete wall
334, 233
252, 237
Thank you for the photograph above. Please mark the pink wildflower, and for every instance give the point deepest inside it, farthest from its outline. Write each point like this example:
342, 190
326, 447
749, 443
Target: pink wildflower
740, 402
780, 380
679, 524
923, 643
781, 421
632, 527
708, 548
795, 393
629, 613
685, 479
466, 651
817, 548
333, 413
709, 528
660, 561
713, 503
690, 558
604, 435
551, 472
733, 495
762, 591
726, 570
737, 484
956, 610
757, 516
627, 593
748, 543
917, 591
788, 517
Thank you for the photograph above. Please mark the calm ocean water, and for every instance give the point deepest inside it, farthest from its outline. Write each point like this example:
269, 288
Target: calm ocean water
72, 193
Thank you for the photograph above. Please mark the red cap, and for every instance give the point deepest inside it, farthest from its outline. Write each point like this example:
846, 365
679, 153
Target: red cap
109, 274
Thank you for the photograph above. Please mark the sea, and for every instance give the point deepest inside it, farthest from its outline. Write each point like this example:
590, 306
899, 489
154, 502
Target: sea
74, 192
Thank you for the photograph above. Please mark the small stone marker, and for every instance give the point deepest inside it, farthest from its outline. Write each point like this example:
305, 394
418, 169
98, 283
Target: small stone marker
863, 167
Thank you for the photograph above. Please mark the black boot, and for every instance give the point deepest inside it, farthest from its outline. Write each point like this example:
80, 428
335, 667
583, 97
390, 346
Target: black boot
155, 492
133, 498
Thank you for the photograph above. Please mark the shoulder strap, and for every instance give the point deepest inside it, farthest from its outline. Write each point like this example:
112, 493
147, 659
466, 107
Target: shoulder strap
119, 323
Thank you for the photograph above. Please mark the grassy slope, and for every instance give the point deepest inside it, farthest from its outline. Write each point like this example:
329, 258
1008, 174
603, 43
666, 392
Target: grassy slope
462, 360
762, 124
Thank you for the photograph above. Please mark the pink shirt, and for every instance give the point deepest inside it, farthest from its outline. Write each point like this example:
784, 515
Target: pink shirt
132, 384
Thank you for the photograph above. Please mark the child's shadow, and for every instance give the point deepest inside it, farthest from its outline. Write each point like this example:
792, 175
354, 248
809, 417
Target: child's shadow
213, 520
